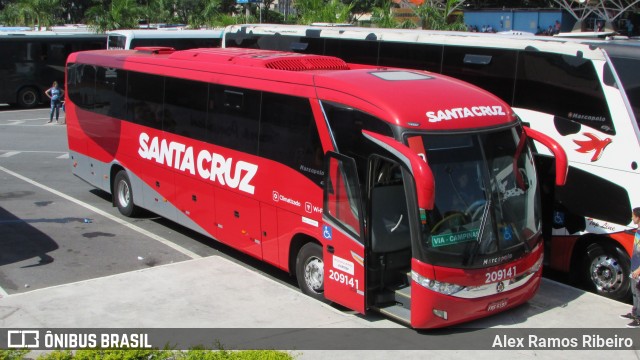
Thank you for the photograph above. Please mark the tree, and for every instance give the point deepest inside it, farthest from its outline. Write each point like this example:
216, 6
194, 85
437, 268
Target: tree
40, 13
330, 11
157, 11
75, 10
435, 14
382, 16
117, 14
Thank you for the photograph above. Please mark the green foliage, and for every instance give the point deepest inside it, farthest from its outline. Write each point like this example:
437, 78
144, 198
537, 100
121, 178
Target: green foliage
119, 14
382, 16
13, 354
38, 13
435, 14
106, 15
330, 11
150, 354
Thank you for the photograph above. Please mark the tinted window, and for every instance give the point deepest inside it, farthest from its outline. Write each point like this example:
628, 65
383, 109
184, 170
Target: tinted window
185, 108
144, 99
490, 69
412, 56
24, 51
111, 86
346, 126
241, 40
627, 69
234, 118
117, 41
306, 45
354, 51
56, 52
288, 134
82, 85
562, 85
277, 42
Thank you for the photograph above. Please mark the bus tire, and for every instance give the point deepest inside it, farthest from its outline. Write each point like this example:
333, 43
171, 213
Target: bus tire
606, 271
28, 97
310, 271
123, 194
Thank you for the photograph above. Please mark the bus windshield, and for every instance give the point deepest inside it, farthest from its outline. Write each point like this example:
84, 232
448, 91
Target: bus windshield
486, 203
116, 41
627, 69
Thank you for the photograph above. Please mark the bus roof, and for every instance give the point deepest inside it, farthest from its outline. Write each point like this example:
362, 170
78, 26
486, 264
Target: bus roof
567, 46
42, 34
167, 33
444, 103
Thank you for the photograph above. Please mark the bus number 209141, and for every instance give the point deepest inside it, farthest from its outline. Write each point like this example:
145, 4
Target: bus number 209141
499, 275
343, 279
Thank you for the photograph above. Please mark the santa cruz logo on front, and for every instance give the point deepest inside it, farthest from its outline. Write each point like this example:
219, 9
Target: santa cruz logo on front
464, 112
208, 165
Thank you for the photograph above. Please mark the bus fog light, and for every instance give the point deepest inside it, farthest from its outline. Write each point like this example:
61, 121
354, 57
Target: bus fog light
440, 313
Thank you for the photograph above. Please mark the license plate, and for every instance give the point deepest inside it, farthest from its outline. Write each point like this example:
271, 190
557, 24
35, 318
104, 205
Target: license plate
497, 305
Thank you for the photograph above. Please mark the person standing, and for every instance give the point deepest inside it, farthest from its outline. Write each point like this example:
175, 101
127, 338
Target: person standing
635, 274
55, 94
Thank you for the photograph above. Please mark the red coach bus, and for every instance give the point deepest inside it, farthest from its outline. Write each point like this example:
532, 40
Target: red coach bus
399, 191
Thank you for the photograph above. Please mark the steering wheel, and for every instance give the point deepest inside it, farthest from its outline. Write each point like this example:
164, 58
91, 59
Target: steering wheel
475, 209
448, 219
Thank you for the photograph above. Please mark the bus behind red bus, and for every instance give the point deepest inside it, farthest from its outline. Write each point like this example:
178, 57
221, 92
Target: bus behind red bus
380, 189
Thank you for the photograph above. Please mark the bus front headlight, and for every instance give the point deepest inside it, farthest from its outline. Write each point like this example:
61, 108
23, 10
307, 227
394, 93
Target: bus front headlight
437, 286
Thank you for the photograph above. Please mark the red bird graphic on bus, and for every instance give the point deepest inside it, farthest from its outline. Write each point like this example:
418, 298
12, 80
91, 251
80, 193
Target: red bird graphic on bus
593, 144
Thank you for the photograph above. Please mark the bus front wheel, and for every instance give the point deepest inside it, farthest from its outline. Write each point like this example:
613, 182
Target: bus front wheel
123, 194
606, 271
27, 97
310, 271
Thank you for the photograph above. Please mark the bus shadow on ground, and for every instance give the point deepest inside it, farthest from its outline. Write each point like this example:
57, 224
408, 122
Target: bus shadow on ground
20, 241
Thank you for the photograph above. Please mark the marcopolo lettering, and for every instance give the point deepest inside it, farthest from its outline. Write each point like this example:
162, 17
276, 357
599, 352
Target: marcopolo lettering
464, 112
207, 165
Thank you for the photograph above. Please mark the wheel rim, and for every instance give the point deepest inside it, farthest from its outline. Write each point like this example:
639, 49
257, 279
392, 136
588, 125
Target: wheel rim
606, 274
28, 98
314, 274
124, 194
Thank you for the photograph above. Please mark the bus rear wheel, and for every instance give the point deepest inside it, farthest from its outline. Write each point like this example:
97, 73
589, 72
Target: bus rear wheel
123, 194
310, 271
27, 97
606, 271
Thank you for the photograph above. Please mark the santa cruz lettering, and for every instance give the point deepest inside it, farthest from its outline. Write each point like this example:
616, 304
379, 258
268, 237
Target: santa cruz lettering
464, 112
209, 165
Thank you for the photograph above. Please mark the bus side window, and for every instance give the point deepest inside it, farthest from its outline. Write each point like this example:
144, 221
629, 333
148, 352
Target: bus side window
81, 83
288, 134
234, 116
185, 108
144, 99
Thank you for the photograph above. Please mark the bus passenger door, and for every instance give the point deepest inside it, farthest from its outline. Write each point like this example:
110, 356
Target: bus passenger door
342, 230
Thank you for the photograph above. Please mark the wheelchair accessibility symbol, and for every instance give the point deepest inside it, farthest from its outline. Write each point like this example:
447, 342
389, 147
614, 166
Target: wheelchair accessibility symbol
327, 232
558, 218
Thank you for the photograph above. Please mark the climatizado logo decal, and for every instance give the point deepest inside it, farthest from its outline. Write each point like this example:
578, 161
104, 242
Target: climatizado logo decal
208, 165
464, 112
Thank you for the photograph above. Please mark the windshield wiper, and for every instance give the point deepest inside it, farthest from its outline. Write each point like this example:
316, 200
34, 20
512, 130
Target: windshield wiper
483, 223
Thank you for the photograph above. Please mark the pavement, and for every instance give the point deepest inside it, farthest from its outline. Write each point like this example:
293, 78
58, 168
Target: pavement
214, 293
